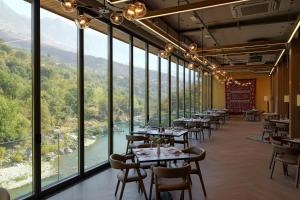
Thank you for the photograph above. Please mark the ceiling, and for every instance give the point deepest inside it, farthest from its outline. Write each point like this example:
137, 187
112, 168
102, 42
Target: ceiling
234, 24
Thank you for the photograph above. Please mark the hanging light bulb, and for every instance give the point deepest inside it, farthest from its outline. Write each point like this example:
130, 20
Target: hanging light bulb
194, 57
82, 21
163, 54
140, 9
205, 73
68, 5
116, 18
129, 12
169, 47
191, 65
187, 55
193, 47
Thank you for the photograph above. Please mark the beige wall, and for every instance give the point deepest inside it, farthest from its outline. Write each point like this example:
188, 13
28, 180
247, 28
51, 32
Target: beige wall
218, 94
262, 89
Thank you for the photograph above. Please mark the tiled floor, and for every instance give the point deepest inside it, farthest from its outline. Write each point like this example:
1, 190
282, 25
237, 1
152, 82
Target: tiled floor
235, 168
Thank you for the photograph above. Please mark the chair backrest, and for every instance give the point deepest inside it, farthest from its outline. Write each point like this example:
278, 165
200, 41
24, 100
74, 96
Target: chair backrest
286, 150
164, 172
146, 145
4, 194
136, 138
117, 161
282, 126
178, 123
200, 152
194, 124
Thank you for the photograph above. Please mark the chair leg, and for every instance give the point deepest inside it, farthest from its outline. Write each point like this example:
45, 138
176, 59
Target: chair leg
122, 190
298, 173
190, 194
272, 170
182, 195
116, 191
201, 178
143, 189
272, 158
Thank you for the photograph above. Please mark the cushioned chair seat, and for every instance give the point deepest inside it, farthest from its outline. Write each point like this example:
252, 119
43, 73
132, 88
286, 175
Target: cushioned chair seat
173, 184
132, 175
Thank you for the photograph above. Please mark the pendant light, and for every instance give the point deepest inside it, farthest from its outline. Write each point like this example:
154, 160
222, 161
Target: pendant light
116, 18
134, 11
193, 47
191, 65
82, 21
140, 9
68, 5
187, 55
163, 54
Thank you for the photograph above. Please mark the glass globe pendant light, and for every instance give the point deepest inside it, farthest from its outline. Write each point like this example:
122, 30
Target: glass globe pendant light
169, 48
129, 12
116, 18
193, 47
68, 5
82, 21
163, 54
140, 9
191, 65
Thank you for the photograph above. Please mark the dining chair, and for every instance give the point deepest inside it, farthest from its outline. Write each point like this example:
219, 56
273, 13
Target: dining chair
4, 194
201, 153
179, 124
268, 128
282, 129
195, 128
133, 141
129, 172
171, 179
287, 156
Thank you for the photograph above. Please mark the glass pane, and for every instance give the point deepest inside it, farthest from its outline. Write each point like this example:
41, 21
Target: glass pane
58, 98
187, 93
200, 91
164, 92
120, 90
95, 97
139, 82
192, 91
181, 88
153, 87
15, 98
173, 88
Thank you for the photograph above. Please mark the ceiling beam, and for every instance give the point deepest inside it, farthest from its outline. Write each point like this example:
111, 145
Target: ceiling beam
226, 67
117, 1
262, 50
248, 45
190, 7
291, 17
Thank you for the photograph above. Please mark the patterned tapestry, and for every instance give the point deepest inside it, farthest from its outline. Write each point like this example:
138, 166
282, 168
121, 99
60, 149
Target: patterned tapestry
240, 98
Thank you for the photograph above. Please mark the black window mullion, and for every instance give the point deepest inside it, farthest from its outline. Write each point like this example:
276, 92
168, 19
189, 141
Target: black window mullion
147, 84
177, 89
190, 92
110, 89
169, 91
131, 103
80, 70
159, 90
184, 113
36, 100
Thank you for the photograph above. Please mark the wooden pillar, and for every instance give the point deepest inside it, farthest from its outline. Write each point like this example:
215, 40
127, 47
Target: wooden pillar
283, 88
294, 87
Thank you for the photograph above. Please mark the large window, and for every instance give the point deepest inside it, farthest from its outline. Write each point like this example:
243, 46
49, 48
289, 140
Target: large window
187, 92
193, 95
120, 90
200, 90
173, 88
15, 98
139, 82
58, 98
164, 92
153, 87
95, 97
181, 88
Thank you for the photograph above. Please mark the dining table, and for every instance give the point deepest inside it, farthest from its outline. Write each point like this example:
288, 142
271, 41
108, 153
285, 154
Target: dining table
282, 121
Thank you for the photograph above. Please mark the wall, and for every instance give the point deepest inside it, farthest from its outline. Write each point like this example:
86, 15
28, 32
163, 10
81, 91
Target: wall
262, 89
218, 94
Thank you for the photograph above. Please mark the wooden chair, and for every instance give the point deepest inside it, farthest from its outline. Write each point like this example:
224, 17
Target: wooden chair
4, 194
171, 179
196, 128
129, 172
268, 128
282, 129
179, 124
200, 152
287, 156
133, 141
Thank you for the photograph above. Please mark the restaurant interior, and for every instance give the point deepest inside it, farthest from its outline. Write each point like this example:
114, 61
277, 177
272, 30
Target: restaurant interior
149, 99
